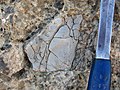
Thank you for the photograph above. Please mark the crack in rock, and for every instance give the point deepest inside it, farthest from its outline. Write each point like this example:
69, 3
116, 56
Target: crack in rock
54, 48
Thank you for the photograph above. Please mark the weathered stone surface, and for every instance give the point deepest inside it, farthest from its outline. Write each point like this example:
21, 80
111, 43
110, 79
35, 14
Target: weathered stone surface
61, 80
62, 53
14, 58
2, 86
58, 42
40, 25
63, 32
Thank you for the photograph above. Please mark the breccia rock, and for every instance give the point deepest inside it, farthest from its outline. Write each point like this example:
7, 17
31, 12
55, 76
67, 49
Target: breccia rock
14, 58
25, 20
54, 48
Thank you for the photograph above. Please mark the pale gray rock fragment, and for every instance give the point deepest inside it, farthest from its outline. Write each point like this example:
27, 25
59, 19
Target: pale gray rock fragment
42, 49
64, 50
76, 34
76, 26
35, 46
69, 21
30, 52
54, 48
36, 52
63, 32
78, 19
53, 62
36, 64
52, 29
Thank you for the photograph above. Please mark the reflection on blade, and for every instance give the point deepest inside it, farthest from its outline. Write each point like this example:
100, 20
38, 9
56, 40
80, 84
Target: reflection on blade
105, 29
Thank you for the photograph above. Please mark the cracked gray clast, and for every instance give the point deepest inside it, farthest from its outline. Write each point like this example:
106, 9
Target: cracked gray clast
60, 39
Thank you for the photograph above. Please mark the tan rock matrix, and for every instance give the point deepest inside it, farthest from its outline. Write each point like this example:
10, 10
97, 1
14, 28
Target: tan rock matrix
50, 44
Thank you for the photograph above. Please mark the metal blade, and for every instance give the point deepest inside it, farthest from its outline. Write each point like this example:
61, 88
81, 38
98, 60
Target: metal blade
105, 29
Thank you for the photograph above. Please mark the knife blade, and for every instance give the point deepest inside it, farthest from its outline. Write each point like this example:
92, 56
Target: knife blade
100, 74
105, 29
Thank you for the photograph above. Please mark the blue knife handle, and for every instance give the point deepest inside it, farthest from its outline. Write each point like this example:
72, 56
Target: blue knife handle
100, 75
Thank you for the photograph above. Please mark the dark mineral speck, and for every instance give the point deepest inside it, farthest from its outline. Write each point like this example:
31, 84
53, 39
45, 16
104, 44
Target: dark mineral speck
59, 4
2, 64
9, 10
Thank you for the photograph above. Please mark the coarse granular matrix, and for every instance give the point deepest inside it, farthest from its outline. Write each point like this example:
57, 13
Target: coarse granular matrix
50, 44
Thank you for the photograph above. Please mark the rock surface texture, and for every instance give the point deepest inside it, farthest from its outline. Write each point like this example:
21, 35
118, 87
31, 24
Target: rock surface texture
54, 48
50, 44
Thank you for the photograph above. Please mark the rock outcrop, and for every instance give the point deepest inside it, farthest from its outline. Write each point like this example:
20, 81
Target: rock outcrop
50, 44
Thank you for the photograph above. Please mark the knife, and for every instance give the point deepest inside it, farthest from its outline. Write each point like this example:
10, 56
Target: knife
100, 74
